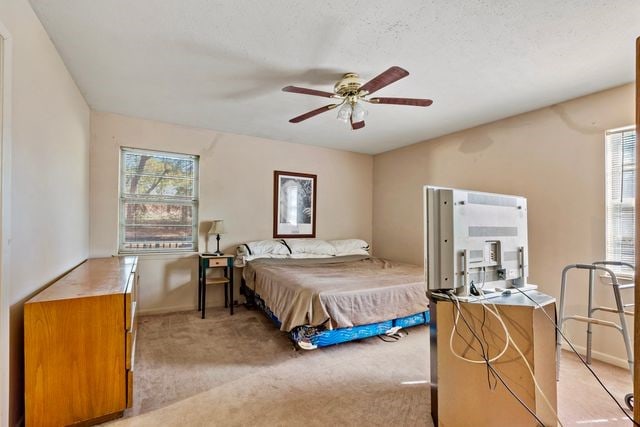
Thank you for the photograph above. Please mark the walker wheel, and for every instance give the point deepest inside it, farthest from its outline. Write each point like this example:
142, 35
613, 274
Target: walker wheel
628, 399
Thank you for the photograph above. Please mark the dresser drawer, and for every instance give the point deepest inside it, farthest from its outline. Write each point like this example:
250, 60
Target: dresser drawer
130, 349
132, 320
130, 364
129, 389
217, 262
130, 300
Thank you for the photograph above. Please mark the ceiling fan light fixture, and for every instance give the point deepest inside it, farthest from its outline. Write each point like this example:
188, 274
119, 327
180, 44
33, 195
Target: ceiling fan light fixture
358, 114
351, 93
344, 113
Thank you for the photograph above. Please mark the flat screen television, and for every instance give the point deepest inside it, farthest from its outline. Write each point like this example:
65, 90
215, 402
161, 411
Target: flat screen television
474, 238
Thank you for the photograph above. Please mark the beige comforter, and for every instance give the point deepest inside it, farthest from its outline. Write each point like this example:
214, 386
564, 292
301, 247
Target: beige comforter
338, 292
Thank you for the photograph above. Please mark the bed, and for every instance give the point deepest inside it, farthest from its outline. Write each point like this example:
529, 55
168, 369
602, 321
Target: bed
325, 293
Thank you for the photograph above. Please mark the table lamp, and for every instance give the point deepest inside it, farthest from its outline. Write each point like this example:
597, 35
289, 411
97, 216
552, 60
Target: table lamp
217, 228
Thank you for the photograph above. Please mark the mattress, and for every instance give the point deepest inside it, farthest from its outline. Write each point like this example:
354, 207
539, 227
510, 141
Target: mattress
337, 292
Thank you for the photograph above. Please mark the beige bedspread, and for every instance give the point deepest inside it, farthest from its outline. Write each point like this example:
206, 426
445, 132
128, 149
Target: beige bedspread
338, 292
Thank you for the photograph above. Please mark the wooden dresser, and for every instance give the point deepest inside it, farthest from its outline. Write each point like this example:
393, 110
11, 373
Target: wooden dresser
79, 337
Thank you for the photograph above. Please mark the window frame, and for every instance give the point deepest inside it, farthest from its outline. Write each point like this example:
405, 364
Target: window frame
628, 202
194, 202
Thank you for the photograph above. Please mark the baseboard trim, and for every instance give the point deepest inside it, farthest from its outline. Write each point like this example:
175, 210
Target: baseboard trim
603, 357
164, 310
175, 309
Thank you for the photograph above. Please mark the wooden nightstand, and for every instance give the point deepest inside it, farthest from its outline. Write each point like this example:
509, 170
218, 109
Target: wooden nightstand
210, 261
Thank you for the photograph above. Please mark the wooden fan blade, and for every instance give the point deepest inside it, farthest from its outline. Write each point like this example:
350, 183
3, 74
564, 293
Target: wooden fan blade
310, 114
403, 101
393, 74
305, 91
357, 125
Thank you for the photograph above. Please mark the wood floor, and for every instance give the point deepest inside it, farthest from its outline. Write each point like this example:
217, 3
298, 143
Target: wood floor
581, 400
239, 370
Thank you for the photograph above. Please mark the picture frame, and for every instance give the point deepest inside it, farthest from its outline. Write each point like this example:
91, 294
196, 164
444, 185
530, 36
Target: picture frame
294, 204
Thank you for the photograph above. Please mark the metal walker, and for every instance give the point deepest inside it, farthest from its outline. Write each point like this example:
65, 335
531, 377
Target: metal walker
620, 309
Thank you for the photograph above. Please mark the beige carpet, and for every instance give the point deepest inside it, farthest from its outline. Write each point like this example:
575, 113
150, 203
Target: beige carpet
240, 371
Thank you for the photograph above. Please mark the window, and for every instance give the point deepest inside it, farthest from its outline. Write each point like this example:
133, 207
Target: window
158, 201
620, 194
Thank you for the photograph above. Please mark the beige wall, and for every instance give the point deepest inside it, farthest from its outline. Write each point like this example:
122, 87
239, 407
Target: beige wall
553, 156
50, 174
236, 184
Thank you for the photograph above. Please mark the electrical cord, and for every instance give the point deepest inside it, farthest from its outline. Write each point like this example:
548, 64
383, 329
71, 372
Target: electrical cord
553, 322
471, 346
524, 405
512, 342
484, 337
485, 359
486, 343
526, 362
468, 344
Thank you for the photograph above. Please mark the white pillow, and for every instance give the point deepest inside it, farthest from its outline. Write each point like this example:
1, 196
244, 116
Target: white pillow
263, 247
350, 247
310, 246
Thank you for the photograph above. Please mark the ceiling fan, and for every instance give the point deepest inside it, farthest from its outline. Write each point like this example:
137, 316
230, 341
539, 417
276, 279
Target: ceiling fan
352, 93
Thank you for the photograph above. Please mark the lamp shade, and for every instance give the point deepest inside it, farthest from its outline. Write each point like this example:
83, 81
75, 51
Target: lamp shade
217, 227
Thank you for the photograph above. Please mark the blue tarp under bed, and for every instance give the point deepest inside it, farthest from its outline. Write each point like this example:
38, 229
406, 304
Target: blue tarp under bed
310, 337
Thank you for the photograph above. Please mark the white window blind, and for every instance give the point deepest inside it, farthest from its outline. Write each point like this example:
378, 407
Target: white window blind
620, 194
158, 201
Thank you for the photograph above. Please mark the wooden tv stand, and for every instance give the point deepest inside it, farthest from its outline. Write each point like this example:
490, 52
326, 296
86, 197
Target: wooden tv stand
460, 394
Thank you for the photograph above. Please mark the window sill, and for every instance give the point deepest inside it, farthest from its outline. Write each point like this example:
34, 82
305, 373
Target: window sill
622, 277
161, 255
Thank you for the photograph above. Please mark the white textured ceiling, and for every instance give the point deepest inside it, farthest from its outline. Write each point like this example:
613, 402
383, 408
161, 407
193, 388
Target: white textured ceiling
221, 64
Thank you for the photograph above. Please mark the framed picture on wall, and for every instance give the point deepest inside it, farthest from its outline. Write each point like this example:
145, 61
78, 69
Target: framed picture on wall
294, 204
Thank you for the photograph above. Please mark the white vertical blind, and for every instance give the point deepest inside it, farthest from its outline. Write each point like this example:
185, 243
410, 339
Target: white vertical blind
620, 194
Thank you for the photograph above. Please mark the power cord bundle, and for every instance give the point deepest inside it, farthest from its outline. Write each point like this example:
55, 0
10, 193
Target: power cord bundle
484, 356
509, 340
490, 384
521, 354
